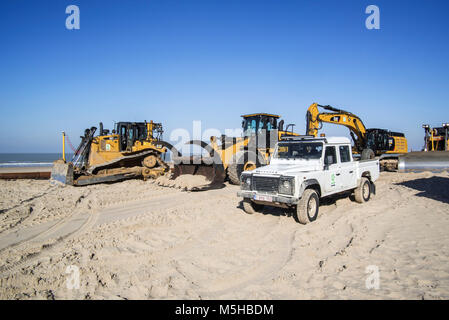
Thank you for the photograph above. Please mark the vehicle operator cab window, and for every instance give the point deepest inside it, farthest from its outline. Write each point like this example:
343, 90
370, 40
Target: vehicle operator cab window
250, 126
330, 156
345, 156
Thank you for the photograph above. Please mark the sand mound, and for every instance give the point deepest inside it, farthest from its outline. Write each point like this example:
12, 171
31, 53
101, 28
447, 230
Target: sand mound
184, 182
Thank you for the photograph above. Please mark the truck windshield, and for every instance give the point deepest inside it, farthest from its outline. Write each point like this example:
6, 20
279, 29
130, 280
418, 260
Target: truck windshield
299, 150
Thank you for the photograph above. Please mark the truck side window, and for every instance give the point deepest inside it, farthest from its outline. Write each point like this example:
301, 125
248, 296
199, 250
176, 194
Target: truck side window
344, 154
330, 156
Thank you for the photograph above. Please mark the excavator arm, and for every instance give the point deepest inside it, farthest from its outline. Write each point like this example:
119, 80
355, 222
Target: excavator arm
315, 120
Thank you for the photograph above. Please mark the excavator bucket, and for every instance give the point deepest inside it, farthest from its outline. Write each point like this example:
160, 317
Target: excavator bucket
62, 172
435, 161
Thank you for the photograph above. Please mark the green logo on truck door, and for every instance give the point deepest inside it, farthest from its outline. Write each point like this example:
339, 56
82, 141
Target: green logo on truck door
333, 180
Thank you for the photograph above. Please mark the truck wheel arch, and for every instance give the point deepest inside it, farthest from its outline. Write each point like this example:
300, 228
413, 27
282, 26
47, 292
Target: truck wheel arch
367, 175
311, 184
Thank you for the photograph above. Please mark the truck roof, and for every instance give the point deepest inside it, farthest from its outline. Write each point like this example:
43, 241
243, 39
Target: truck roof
330, 140
338, 140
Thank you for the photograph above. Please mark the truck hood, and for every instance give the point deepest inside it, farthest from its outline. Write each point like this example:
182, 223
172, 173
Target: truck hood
292, 168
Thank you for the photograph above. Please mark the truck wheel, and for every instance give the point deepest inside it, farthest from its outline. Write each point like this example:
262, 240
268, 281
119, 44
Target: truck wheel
251, 207
308, 206
363, 192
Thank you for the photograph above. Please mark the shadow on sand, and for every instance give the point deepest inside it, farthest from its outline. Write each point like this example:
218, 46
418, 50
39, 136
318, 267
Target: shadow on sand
326, 204
436, 188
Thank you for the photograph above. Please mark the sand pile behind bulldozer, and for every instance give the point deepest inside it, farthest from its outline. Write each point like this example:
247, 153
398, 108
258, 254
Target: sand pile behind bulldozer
188, 182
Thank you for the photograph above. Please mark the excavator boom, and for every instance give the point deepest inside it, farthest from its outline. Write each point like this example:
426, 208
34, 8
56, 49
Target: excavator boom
315, 120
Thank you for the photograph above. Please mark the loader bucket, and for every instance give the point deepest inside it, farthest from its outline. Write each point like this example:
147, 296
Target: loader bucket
435, 161
62, 172
214, 173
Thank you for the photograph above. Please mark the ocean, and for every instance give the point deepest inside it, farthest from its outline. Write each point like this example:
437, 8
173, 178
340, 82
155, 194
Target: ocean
8, 160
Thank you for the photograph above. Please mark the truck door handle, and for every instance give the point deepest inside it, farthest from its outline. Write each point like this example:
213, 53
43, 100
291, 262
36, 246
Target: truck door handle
338, 174
351, 171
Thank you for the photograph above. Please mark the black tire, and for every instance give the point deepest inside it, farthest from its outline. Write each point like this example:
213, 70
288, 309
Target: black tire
237, 165
308, 207
250, 207
367, 154
362, 193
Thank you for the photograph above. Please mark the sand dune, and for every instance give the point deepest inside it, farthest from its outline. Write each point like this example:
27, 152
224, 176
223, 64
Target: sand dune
139, 240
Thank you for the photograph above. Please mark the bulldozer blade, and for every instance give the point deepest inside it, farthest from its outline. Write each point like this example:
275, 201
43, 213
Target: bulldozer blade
62, 172
435, 161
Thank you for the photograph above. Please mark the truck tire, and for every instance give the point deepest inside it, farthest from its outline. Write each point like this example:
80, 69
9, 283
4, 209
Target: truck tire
362, 193
240, 163
367, 154
251, 207
308, 207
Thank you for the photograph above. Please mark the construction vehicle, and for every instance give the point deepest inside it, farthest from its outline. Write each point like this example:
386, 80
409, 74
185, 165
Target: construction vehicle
434, 155
131, 150
436, 139
228, 157
368, 143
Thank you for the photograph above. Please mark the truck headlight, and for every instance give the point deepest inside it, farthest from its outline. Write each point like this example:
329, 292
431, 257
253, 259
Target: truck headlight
286, 186
246, 182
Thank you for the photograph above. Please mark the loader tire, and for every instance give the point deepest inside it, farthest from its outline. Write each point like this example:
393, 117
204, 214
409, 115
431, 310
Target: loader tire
307, 207
251, 207
238, 165
362, 193
367, 154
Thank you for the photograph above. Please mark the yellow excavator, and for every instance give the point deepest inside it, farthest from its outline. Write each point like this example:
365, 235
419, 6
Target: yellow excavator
228, 157
131, 150
368, 143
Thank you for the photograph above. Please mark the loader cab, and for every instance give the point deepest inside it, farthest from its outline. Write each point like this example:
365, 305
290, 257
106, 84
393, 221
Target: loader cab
253, 124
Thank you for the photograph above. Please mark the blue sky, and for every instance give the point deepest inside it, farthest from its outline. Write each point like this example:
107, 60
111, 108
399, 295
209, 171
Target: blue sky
179, 61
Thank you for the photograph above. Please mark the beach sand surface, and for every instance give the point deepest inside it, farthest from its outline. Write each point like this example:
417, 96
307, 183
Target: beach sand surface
139, 240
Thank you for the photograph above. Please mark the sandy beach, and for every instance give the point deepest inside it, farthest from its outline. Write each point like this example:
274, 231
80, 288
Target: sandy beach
139, 240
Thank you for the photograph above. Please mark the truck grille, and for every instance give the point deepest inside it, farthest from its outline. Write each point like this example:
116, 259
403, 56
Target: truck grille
265, 184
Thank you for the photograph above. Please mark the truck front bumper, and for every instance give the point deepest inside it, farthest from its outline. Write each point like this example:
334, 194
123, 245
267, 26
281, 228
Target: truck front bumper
276, 199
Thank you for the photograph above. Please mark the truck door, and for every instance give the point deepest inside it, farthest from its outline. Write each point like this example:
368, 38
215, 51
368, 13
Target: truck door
347, 177
332, 171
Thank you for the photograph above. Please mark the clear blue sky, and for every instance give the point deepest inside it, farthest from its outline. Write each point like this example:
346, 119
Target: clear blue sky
179, 61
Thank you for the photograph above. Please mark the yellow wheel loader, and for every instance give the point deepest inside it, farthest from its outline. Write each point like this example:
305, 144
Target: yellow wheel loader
369, 143
228, 157
131, 150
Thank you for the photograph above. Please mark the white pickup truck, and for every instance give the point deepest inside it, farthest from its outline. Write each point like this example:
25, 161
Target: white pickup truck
305, 169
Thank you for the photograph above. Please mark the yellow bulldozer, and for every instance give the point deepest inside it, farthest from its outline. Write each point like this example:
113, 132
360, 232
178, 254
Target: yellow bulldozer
435, 154
368, 143
131, 150
228, 157
436, 139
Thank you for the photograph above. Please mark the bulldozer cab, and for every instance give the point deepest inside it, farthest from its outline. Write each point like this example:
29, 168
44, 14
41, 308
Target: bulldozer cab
130, 132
